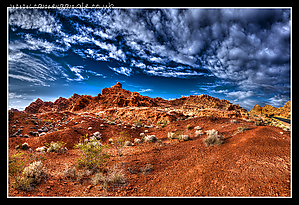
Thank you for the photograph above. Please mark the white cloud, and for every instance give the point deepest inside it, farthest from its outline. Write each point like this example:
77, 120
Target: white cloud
240, 94
278, 100
13, 95
34, 19
145, 90
122, 70
77, 72
25, 78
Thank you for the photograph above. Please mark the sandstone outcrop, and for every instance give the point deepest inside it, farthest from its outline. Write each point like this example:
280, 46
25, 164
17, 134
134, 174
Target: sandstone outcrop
156, 109
34, 106
257, 109
269, 110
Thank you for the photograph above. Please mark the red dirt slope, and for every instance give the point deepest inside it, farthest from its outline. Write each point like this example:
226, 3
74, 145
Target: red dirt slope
255, 162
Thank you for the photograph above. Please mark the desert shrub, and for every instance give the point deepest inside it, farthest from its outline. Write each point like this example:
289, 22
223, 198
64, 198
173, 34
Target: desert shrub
16, 164
213, 138
58, 146
146, 169
119, 142
114, 176
242, 129
258, 123
92, 153
30, 176
35, 171
183, 137
72, 173
188, 127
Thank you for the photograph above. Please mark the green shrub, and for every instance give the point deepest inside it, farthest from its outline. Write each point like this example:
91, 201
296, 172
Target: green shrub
114, 176
92, 153
119, 141
30, 176
25, 178
16, 164
58, 146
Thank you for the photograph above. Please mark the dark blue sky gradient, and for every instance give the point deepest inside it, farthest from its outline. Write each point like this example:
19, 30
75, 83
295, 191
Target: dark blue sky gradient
242, 55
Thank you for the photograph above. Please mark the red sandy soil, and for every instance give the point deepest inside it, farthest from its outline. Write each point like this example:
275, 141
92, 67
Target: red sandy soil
256, 162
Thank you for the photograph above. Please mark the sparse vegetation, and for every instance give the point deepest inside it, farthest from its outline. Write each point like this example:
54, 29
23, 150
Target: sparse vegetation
242, 129
26, 177
183, 137
30, 176
213, 138
114, 176
146, 169
119, 142
58, 147
92, 153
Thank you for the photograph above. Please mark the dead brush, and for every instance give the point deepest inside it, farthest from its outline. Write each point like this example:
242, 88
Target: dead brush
213, 138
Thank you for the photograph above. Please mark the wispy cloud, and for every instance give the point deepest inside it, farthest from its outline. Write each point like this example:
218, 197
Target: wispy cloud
145, 90
247, 48
122, 70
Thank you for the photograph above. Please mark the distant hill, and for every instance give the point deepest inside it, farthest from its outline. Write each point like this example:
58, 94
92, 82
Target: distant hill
268, 110
117, 97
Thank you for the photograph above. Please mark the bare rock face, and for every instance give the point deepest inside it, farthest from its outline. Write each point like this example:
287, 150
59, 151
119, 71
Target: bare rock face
34, 106
81, 103
117, 97
268, 110
257, 109
61, 104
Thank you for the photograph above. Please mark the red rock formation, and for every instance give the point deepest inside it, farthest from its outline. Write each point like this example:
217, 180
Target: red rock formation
116, 96
257, 109
268, 110
34, 106
81, 103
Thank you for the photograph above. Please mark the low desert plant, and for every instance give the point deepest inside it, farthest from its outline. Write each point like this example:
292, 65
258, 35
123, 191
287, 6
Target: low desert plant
242, 129
213, 138
146, 169
114, 176
30, 176
72, 173
16, 164
188, 127
119, 142
92, 153
183, 138
58, 147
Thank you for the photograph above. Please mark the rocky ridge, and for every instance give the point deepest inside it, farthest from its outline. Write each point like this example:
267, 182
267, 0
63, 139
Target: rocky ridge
269, 110
165, 153
116, 97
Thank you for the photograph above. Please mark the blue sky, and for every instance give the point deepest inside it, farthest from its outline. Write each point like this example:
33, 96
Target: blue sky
242, 55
